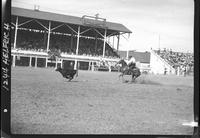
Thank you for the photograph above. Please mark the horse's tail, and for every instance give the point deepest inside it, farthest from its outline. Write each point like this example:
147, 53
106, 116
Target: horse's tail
138, 71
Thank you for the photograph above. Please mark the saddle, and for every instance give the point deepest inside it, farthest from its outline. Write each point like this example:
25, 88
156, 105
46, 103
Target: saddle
132, 66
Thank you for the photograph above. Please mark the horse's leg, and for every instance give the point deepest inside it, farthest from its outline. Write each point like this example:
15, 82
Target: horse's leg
120, 75
133, 78
123, 77
70, 78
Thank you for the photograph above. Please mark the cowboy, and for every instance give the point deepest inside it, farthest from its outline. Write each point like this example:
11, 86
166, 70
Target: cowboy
131, 62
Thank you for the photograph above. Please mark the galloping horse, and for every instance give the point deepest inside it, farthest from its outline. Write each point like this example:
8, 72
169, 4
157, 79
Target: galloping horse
125, 70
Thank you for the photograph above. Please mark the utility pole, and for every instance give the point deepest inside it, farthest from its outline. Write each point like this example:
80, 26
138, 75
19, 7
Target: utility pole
159, 41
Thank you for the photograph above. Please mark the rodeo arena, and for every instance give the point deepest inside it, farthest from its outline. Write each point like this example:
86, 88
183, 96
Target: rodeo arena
96, 100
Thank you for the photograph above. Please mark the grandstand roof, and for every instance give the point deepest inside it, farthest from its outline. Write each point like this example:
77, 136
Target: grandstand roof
27, 13
143, 57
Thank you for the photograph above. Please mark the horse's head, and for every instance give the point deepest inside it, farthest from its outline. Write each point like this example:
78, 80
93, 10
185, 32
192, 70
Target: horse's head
122, 62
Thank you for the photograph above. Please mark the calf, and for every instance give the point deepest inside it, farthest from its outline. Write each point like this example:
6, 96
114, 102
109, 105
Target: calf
67, 73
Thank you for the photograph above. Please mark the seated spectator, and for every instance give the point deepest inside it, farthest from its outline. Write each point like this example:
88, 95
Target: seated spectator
175, 58
34, 40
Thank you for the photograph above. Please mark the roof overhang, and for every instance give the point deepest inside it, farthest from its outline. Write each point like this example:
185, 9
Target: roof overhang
74, 22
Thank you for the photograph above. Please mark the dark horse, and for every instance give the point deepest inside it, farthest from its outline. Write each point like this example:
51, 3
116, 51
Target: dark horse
126, 70
67, 73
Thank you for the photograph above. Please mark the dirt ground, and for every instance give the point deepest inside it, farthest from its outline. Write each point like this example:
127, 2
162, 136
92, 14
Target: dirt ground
43, 102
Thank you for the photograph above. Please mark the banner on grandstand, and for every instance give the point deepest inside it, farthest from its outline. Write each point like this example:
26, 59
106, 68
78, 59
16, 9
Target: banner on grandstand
94, 21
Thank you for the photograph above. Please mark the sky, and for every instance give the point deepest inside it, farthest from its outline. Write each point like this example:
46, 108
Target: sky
154, 23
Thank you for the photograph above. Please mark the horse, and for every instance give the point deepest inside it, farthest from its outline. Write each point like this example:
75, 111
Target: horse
125, 70
67, 73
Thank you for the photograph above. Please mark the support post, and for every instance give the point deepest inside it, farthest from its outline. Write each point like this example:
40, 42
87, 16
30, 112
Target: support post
113, 41
48, 39
30, 61
89, 66
127, 55
92, 66
35, 62
56, 63
77, 47
61, 63
104, 43
71, 41
118, 38
75, 64
109, 68
46, 62
95, 42
13, 61
77, 44
16, 28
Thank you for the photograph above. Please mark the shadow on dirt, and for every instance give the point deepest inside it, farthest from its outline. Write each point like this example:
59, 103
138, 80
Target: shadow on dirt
71, 81
149, 82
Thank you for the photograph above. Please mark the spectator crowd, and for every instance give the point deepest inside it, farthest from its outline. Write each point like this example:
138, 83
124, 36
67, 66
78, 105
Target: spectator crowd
182, 62
64, 43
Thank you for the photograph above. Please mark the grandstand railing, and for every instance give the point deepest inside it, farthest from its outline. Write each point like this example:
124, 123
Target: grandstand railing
44, 54
16, 51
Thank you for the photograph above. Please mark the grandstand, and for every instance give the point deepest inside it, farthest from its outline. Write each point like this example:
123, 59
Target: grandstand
37, 35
